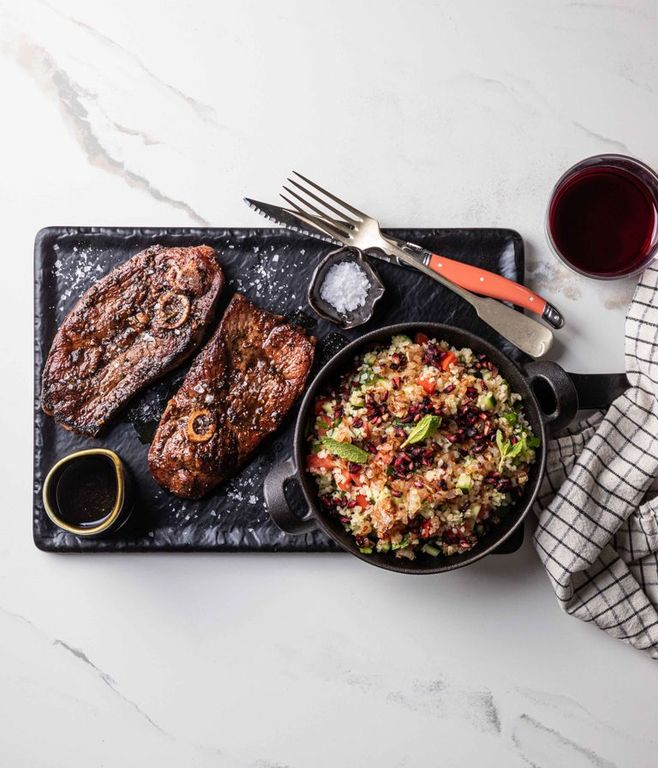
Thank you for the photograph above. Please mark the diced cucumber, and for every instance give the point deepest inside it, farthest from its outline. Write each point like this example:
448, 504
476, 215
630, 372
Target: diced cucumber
383, 546
365, 550
486, 374
430, 550
474, 510
356, 399
400, 544
464, 483
511, 417
327, 408
486, 401
400, 340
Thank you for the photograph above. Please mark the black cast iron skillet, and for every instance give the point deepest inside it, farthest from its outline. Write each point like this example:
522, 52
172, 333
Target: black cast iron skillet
551, 398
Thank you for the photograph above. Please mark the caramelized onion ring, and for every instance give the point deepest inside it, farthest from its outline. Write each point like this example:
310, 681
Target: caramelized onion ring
172, 309
209, 424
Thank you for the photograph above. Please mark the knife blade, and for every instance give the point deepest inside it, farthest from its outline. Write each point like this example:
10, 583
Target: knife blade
289, 219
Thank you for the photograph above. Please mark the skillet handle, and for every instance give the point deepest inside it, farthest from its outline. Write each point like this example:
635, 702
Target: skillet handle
274, 490
598, 390
555, 391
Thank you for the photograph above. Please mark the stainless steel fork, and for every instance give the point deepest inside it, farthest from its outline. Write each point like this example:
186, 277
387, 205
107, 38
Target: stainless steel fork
316, 207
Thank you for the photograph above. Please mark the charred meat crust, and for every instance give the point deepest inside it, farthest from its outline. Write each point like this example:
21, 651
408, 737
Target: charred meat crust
127, 330
238, 390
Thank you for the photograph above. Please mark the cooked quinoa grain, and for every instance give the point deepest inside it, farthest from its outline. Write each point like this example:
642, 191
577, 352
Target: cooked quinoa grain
421, 447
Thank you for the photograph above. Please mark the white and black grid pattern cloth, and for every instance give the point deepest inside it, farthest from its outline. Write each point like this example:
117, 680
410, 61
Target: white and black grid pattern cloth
597, 508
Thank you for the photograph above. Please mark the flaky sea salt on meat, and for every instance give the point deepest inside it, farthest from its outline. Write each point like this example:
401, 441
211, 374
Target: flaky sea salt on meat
345, 287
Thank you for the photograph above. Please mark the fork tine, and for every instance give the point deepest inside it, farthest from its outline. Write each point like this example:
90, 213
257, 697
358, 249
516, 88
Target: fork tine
320, 219
359, 214
327, 205
322, 224
306, 203
340, 226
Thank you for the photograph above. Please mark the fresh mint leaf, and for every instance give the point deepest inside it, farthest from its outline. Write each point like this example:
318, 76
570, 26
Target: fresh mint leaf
345, 451
425, 428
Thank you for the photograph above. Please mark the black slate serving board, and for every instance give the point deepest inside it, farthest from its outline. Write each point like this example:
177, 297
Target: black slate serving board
273, 268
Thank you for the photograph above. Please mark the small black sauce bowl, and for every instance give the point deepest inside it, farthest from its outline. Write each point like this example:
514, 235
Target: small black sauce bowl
123, 504
358, 316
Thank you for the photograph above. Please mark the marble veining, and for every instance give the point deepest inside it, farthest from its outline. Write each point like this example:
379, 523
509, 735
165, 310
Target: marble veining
548, 744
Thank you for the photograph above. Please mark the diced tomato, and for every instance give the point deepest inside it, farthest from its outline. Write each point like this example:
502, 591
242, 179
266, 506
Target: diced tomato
313, 461
428, 386
421, 338
448, 360
362, 501
350, 480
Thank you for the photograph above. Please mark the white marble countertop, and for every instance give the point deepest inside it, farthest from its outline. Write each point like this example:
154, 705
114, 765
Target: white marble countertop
429, 113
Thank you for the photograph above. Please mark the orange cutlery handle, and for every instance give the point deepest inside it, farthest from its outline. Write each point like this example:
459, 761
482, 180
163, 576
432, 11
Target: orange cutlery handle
496, 286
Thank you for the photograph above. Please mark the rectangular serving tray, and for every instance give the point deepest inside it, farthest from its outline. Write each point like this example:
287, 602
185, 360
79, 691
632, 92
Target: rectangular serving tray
273, 268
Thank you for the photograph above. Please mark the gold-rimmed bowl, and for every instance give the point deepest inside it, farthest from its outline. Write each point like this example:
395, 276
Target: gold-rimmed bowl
56, 494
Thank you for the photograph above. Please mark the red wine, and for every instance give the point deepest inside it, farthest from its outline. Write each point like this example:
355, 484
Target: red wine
603, 221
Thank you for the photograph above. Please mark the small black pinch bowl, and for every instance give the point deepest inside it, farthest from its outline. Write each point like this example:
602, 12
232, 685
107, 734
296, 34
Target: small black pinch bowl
551, 398
361, 314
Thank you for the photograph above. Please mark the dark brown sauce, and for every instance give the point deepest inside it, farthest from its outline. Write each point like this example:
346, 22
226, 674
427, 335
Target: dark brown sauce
86, 491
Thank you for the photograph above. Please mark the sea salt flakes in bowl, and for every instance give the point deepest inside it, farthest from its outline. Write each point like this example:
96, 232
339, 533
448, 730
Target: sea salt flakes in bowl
345, 288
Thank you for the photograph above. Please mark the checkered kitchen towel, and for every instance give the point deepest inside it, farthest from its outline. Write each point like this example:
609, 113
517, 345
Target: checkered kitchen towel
598, 511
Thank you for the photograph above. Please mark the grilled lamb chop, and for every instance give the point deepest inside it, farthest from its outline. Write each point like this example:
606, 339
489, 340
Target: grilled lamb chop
238, 390
127, 330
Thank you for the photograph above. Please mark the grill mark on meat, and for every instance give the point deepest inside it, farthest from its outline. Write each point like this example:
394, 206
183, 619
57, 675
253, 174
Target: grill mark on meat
238, 391
127, 330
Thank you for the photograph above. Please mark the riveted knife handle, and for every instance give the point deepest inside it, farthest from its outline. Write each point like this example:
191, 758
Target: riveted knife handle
495, 286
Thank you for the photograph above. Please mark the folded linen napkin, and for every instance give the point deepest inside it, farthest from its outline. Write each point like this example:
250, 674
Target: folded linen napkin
598, 512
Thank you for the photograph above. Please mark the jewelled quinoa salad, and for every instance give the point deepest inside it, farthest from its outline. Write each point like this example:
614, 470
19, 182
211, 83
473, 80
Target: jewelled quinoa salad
421, 447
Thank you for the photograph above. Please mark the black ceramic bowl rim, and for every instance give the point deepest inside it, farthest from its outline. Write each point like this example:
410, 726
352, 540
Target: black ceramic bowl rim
423, 564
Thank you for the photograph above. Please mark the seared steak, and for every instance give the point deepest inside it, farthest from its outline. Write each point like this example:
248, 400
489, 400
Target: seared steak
238, 390
131, 327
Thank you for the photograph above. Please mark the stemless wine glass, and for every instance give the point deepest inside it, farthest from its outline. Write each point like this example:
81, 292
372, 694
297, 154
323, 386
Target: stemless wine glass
602, 217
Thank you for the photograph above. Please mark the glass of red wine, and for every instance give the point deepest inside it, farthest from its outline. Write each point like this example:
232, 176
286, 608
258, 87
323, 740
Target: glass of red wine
602, 217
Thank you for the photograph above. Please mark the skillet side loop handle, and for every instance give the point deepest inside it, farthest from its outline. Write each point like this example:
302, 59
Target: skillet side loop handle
599, 390
555, 391
274, 490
